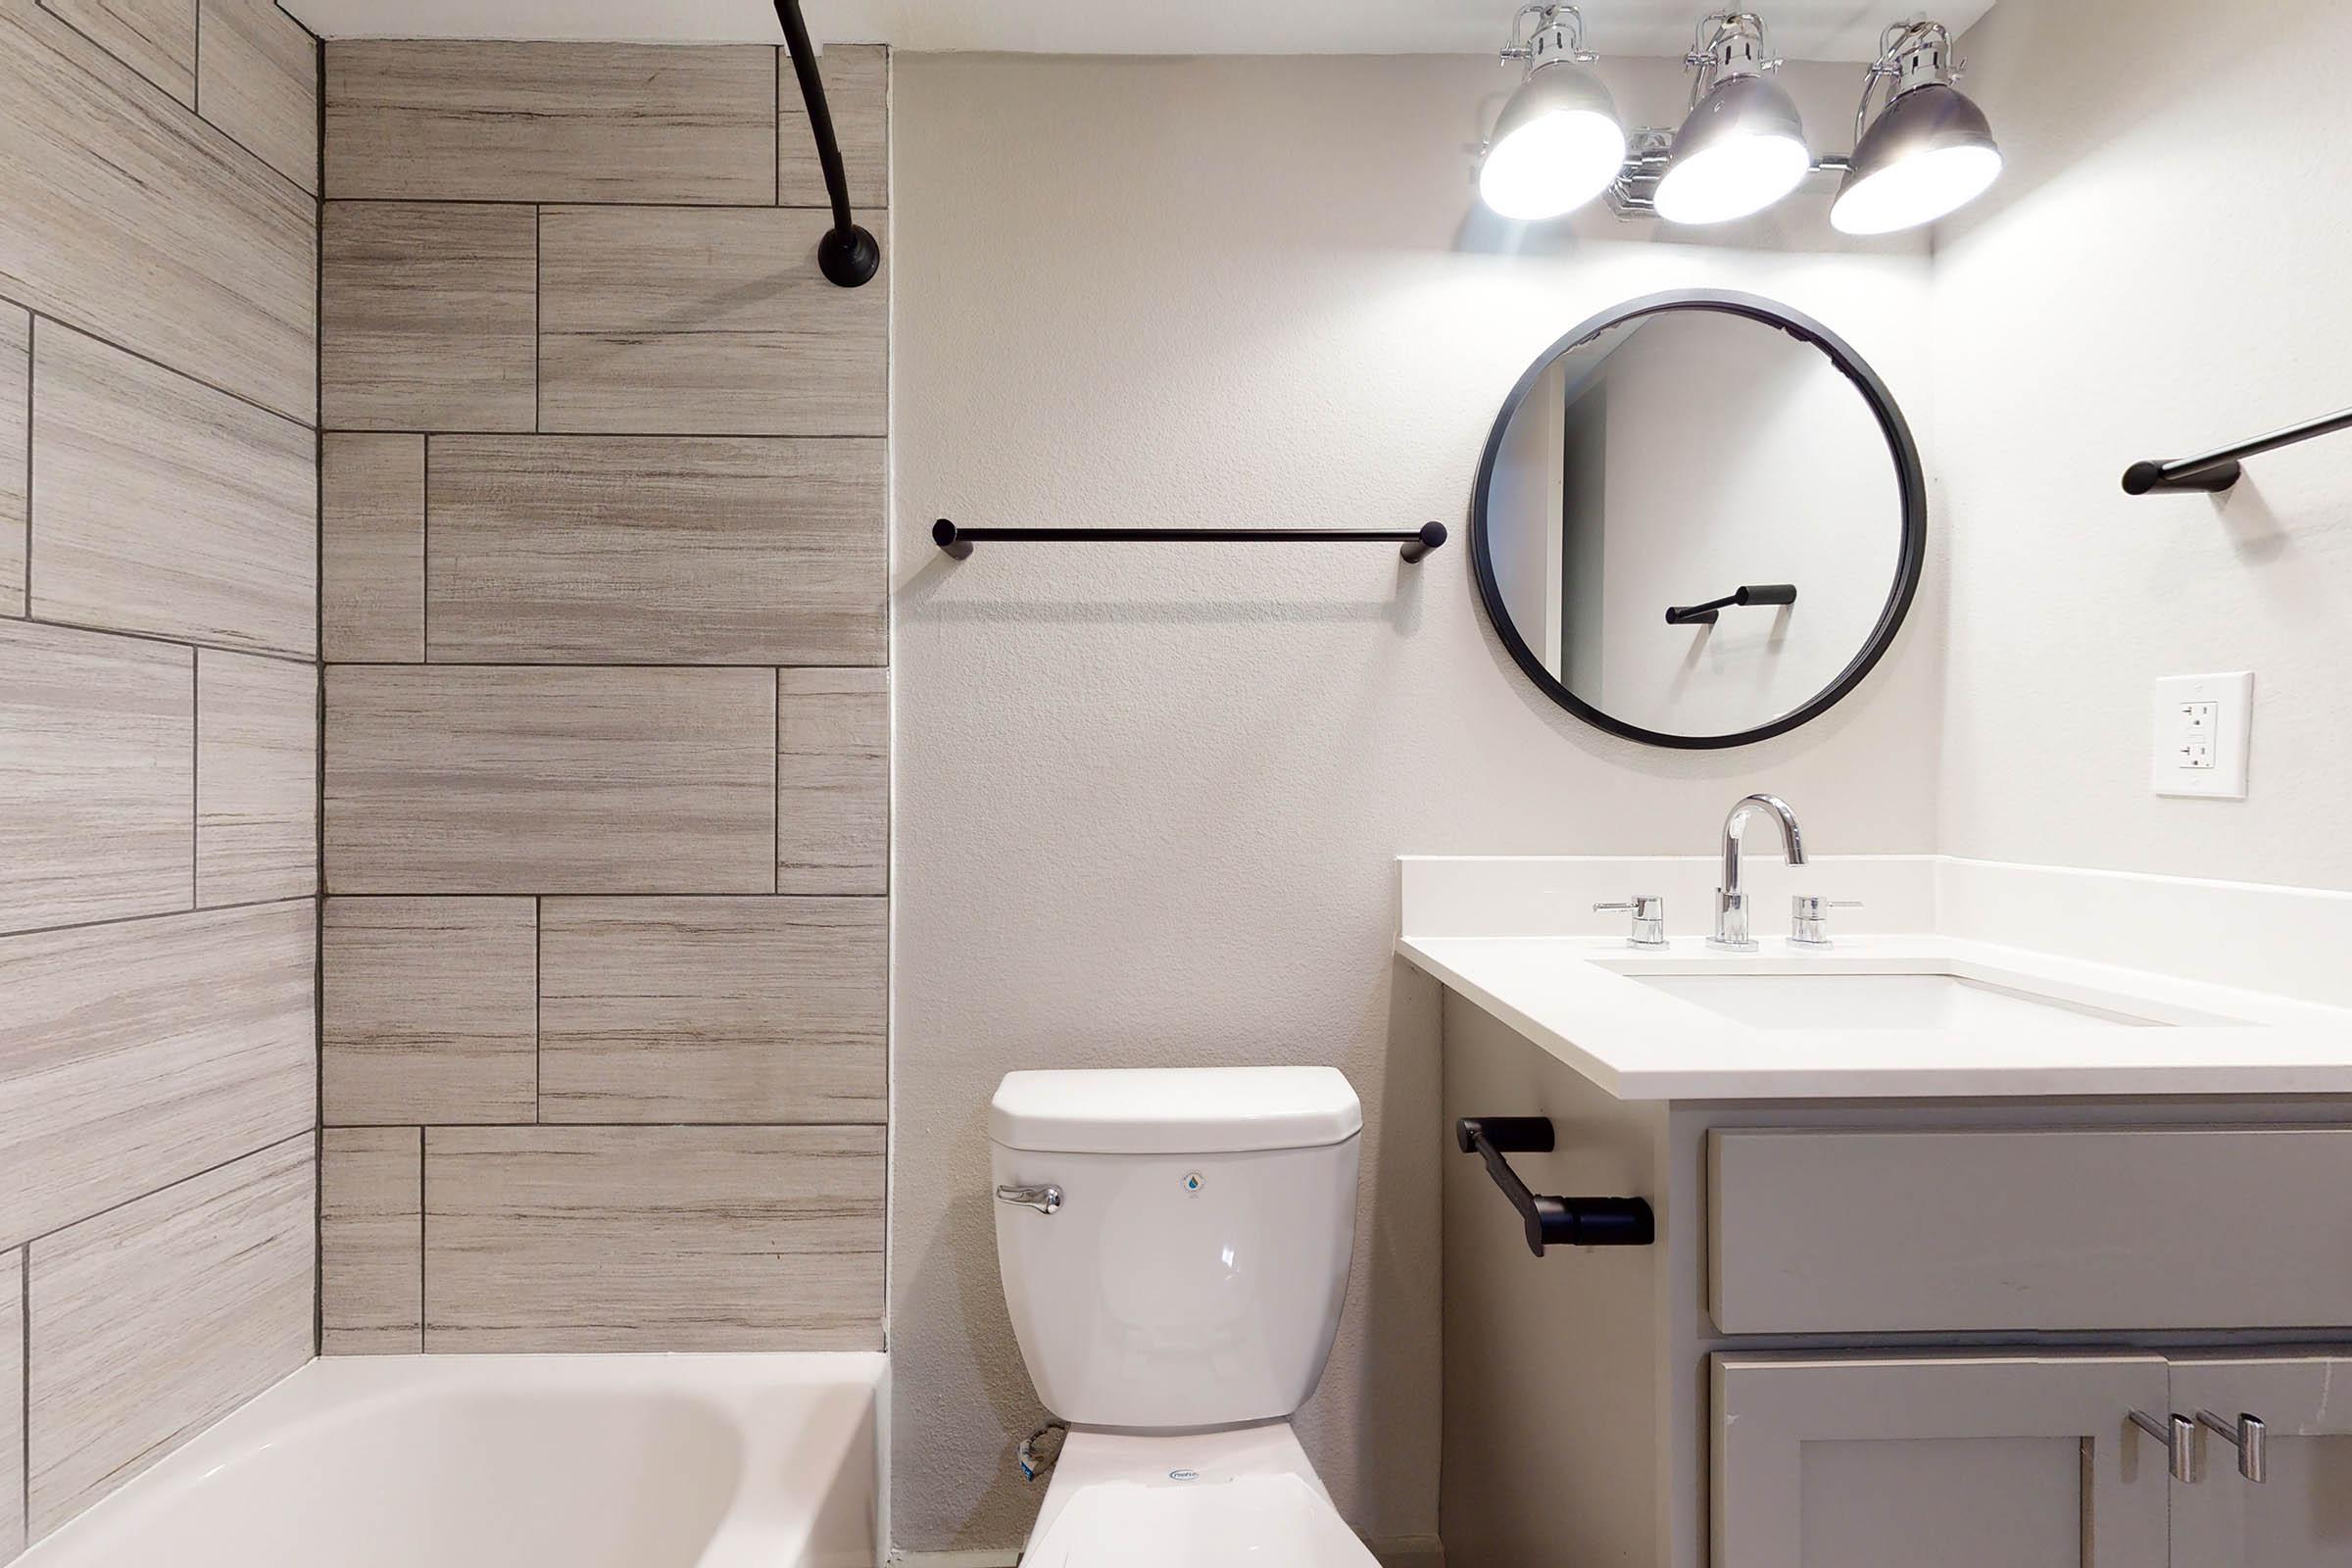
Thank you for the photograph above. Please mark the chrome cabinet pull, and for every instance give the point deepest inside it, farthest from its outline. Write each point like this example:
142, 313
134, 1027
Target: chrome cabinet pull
2178, 1435
2245, 1434
1044, 1197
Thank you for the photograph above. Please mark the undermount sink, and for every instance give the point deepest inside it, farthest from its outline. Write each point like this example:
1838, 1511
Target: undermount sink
1877, 1001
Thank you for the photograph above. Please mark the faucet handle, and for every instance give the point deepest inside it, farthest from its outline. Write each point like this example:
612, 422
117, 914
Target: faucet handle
1648, 910
1809, 918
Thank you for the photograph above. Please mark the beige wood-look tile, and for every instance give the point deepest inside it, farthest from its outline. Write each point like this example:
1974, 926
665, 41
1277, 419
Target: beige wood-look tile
857, 78
161, 506
505, 779
157, 38
653, 1237
429, 1010
12, 1402
714, 1010
551, 122
372, 526
97, 767
428, 315
153, 1321
139, 221
257, 79
657, 550
257, 778
371, 1241
832, 781
137, 1054
713, 322
16, 452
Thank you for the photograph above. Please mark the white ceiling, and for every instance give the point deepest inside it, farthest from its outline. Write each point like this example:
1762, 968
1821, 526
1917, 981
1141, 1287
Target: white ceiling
1802, 29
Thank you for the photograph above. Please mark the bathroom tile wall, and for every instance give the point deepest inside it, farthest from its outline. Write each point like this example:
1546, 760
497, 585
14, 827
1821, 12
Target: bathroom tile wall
158, 731
605, 999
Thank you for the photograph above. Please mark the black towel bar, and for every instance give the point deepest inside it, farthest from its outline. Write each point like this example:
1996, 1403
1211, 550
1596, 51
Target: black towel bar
1565, 1221
958, 540
1755, 593
2218, 469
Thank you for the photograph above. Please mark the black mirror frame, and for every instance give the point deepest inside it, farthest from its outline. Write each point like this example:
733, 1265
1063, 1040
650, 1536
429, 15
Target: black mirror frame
1900, 446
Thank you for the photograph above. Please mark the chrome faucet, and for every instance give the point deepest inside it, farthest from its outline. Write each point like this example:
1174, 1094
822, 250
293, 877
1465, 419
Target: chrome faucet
1731, 903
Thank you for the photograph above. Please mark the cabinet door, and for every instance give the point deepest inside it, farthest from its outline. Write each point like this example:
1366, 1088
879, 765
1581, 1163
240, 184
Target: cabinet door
2301, 1514
1948, 1461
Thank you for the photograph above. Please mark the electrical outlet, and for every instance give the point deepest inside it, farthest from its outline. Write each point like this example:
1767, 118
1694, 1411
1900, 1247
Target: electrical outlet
2203, 726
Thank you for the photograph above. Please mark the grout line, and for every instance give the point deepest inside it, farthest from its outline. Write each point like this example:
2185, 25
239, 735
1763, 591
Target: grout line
195, 778
162, 914
32, 325
538, 971
420, 1246
560, 663
214, 1168
25, 1376
318, 641
424, 550
148, 358
538, 316
776, 122
195, 103
599, 894
176, 642
775, 798
617, 436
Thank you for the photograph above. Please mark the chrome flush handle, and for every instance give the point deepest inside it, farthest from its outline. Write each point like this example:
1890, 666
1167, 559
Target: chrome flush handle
1046, 1198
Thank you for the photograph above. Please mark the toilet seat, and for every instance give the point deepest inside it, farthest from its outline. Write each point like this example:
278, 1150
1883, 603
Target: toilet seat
1246, 1495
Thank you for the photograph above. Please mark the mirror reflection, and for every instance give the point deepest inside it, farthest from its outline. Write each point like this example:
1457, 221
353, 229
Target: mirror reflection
1692, 524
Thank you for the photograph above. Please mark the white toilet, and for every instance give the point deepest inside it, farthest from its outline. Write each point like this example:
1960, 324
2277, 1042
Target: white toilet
1174, 1244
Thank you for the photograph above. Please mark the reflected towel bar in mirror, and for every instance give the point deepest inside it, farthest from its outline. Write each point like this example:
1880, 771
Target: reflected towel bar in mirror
1760, 593
2217, 470
957, 541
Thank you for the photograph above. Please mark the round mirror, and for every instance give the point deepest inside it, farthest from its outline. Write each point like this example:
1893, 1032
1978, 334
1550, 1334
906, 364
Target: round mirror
1700, 520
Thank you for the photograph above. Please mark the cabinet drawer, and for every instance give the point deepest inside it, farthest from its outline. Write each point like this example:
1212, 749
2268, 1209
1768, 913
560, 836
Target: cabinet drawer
2173, 1228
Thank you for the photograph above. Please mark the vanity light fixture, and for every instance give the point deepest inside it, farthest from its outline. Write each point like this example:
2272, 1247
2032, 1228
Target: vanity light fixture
1929, 153
1558, 142
1743, 145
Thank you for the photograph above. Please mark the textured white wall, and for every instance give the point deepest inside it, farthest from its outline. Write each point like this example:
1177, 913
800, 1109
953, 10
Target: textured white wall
1148, 795
2160, 272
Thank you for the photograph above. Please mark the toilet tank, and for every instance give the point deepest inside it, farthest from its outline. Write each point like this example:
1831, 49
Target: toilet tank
1193, 1270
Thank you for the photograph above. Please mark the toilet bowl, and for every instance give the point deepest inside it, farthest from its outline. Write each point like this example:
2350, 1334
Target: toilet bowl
1174, 1245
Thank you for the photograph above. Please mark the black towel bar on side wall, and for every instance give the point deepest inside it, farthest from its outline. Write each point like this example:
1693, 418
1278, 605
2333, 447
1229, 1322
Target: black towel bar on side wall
2218, 469
957, 541
1561, 1221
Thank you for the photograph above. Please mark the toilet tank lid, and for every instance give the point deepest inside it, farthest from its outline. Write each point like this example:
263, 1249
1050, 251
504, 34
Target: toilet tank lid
1174, 1111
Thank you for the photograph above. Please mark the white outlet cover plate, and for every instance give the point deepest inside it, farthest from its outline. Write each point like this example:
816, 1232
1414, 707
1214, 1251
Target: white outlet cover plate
2233, 721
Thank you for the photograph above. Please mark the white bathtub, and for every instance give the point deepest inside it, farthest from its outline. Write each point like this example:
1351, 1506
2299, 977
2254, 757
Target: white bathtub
515, 1461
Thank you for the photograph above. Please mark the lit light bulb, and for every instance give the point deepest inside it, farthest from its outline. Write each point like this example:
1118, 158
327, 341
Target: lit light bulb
1556, 145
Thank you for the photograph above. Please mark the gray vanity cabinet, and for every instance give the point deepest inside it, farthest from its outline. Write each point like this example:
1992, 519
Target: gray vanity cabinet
1946, 1461
2301, 1514
1876, 1333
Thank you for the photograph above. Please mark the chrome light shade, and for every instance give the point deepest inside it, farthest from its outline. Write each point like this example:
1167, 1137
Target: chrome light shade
1741, 149
1556, 145
1558, 142
1930, 153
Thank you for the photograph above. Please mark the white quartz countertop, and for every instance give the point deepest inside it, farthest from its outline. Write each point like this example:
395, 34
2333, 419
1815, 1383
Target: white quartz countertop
1579, 999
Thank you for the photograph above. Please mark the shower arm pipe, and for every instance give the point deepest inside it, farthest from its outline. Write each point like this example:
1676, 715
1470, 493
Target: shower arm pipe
848, 255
